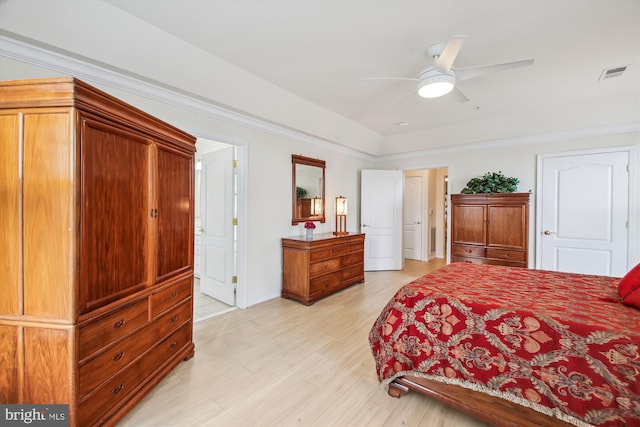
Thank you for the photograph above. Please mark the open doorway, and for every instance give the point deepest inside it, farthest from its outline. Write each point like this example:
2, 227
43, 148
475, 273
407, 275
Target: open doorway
424, 227
216, 229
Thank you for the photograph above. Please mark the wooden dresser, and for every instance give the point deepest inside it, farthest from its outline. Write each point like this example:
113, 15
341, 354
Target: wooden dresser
96, 236
490, 229
312, 269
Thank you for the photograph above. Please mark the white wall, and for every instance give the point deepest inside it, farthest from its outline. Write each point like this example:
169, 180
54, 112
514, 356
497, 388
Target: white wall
520, 160
268, 180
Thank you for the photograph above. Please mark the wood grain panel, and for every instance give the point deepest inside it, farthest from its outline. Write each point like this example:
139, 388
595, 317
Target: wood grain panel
175, 213
507, 237
47, 213
469, 220
9, 386
10, 237
48, 361
115, 213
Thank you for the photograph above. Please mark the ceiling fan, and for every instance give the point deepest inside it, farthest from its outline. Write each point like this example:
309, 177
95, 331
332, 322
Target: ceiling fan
441, 78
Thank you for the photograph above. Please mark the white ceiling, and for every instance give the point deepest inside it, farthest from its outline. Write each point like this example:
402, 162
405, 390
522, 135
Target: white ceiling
318, 51
321, 51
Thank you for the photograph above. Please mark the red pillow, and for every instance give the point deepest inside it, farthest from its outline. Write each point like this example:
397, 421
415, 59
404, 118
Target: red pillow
629, 283
633, 299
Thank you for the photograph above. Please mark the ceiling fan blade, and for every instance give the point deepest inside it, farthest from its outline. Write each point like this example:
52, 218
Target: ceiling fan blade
389, 78
461, 97
449, 53
399, 100
471, 72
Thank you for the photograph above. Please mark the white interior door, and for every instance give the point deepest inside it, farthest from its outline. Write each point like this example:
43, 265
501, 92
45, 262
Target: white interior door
216, 213
381, 219
583, 213
413, 218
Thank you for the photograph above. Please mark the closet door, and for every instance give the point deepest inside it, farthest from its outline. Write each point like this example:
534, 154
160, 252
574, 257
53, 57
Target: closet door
115, 168
174, 189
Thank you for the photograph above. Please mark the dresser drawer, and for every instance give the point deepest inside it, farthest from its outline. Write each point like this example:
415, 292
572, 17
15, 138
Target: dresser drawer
355, 272
112, 393
324, 267
319, 255
323, 282
505, 254
340, 250
168, 297
107, 329
355, 247
352, 259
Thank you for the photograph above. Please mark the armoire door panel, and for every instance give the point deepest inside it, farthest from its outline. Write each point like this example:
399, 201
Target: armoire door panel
501, 231
471, 224
175, 214
47, 198
115, 214
9, 214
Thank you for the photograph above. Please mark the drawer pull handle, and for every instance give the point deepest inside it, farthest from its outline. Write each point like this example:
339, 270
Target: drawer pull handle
118, 389
174, 294
174, 319
468, 251
118, 356
173, 345
118, 324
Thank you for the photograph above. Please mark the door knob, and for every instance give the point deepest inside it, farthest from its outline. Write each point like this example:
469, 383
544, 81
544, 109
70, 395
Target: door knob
417, 222
549, 232
201, 229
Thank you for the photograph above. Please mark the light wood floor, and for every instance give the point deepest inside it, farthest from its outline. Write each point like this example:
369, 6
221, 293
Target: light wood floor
281, 363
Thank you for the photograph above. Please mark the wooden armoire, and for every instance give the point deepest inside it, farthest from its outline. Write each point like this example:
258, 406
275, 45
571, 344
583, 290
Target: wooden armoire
490, 229
96, 237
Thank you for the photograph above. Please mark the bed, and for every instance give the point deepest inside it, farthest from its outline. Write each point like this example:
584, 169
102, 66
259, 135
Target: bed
514, 346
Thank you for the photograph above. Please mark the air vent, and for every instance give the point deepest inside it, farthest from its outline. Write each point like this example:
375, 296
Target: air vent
612, 72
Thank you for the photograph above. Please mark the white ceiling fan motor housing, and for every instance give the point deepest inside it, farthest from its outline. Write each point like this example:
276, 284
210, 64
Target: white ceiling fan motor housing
434, 83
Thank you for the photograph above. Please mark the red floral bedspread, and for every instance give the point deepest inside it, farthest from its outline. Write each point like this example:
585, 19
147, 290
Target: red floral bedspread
538, 338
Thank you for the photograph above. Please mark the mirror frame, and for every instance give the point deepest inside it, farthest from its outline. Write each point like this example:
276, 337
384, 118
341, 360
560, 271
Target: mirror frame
306, 161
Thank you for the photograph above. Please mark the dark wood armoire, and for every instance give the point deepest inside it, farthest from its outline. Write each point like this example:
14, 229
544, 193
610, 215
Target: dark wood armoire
490, 229
96, 236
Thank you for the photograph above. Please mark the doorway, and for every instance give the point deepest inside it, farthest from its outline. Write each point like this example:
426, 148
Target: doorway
425, 214
216, 229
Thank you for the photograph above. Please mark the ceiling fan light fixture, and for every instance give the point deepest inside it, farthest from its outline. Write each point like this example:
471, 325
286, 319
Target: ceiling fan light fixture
436, 85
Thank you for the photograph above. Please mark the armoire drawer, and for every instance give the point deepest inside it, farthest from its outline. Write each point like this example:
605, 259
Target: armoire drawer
170, 296
107, 329
112, 393
324, 267
505, 254
323, 282
103, 366
471, 251
468, 260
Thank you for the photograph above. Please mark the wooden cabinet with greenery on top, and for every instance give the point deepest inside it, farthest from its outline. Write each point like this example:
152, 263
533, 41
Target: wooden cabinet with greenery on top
96, 232
490, 229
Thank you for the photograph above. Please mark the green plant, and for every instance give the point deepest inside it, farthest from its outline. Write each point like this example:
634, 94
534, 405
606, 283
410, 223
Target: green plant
491, 182
300, 192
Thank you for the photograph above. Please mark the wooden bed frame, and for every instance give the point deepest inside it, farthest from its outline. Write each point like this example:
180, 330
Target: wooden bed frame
494, 410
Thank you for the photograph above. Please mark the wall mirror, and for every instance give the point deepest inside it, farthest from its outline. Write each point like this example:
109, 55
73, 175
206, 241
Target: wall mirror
307, 189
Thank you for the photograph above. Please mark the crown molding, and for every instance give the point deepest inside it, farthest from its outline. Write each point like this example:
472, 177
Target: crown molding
32, 52
524, 140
